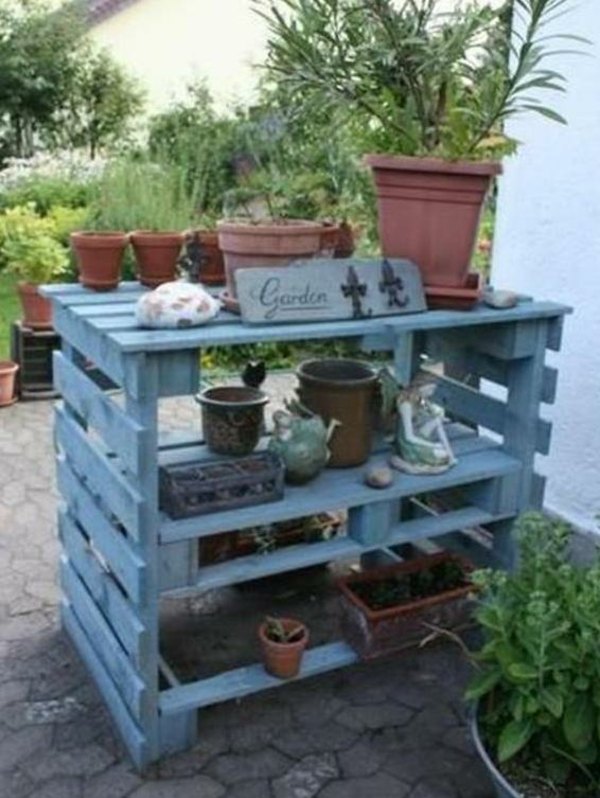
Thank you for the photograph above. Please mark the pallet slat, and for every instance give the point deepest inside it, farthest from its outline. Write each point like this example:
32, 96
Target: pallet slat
250, 679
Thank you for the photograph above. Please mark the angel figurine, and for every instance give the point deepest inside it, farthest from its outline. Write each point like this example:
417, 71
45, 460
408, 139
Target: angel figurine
421, 443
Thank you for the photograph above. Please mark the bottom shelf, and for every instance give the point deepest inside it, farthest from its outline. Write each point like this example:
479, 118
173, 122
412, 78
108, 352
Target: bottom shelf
241, 682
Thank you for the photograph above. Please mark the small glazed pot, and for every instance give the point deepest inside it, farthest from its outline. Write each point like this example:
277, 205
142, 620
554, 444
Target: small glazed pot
156, 256
37, 310
283, 659
99, 258
8, 373
232, 418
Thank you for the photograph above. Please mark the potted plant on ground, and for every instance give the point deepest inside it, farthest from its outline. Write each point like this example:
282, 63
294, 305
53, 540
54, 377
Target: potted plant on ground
432, 85
389, 608
537, 721
30, 251
282, 641
8, 373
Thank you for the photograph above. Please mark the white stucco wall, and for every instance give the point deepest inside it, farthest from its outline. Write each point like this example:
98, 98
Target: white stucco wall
548, 244
168, 43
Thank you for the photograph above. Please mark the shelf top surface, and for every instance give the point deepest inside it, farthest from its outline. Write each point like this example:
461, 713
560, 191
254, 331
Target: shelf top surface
111, 316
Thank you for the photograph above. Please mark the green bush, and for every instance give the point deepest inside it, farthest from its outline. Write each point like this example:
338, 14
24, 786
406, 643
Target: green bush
47, 192
29, 248
539, 679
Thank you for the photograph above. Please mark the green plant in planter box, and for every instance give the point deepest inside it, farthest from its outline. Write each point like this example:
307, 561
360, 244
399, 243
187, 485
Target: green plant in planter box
29, 247
538, 684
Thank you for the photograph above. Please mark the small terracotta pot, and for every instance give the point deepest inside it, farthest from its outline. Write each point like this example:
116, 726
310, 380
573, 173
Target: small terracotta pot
37, 310
346, 241
99, 258
283, 659
212, 270
156, 256
8, 373
429, 212
246, 245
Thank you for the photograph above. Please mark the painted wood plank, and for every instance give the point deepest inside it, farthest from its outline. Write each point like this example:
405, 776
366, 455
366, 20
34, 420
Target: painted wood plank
370, 524
555, 333
340, 488
111, 543
250, 679
549, 385
468, 546
117, 492
475, 406
104, 641
543, 436
121, 433
89, 343
129, 731
102, 587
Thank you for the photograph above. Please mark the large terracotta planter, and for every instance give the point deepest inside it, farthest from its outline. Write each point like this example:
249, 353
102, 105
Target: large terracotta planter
429, 212
343, 390
99, 258
8, 374
156, 256
283, 659
246, 245
37, 310
379, 632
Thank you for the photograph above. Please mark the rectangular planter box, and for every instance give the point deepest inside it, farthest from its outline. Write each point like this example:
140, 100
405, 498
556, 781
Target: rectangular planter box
377, 633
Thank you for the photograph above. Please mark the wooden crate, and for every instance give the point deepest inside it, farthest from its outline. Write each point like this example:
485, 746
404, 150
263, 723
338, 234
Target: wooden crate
32, 350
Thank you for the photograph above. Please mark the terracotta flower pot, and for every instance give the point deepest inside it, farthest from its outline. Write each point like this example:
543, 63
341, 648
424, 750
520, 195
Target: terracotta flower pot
212, 270
343, 390
99, 258
8, 373
37, 310
283, 659
246, 245
346, 241
429, 212
156, 256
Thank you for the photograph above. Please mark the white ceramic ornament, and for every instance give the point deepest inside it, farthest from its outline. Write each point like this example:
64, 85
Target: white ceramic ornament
176, 306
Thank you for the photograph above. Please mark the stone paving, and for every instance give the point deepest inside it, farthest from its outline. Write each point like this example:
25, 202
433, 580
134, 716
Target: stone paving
394, 728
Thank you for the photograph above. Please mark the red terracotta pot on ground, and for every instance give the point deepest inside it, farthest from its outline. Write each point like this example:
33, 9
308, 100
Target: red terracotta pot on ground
37, 310
429, 212
245, 245
283, 659
8, 373
156, 256
99, 258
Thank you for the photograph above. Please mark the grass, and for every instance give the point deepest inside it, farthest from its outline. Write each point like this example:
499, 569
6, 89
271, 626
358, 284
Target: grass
9, 311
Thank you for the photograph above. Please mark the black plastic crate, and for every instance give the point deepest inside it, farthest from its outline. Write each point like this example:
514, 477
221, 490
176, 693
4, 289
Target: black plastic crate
32, 350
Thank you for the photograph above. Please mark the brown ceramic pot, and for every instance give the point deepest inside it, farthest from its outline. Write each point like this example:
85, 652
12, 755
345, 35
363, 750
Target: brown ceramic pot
37, 310
99, 258
8, 373
212, 270
346, 241
429, 212
156, 256
245, 245
283, 659
343, 390
232, 418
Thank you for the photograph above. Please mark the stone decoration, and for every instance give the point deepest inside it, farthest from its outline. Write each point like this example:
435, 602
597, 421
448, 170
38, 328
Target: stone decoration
176, 305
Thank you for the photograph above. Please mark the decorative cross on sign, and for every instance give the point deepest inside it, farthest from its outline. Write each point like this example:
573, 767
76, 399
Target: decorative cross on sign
327, 289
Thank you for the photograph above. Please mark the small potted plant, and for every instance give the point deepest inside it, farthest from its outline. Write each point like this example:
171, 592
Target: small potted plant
32, 254
283, 641
537, 718
8, 373
428, 89
202, 260
389, 608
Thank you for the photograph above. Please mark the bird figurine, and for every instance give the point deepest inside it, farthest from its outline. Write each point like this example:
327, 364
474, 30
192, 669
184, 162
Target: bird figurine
254, 373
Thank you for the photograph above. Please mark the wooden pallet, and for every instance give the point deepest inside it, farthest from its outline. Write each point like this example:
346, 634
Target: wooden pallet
120, 554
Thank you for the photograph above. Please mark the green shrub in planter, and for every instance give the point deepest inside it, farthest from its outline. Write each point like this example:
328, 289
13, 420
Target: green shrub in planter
538, 685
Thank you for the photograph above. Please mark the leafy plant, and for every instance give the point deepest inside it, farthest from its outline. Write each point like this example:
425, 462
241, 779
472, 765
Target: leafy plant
29, 248
412, 78
539, 676
276, 631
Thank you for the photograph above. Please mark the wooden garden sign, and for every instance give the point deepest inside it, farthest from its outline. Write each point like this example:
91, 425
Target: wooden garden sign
322, 290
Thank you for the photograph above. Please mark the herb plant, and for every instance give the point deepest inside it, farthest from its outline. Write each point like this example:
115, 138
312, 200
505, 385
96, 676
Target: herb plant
276, 631
539, 679
29, 247
416, 79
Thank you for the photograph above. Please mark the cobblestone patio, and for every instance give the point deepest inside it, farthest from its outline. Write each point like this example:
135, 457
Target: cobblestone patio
395, 728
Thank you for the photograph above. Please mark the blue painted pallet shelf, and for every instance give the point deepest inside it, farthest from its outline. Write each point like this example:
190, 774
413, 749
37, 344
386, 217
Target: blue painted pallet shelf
120, 554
